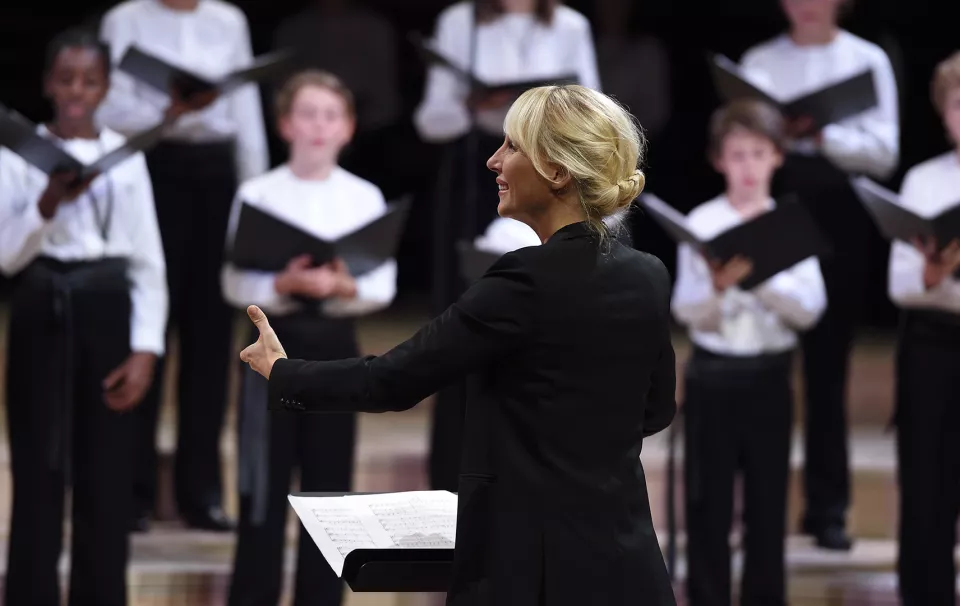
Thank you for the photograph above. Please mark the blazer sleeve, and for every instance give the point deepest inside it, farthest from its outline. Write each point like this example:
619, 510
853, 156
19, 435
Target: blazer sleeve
662, 396
492, 319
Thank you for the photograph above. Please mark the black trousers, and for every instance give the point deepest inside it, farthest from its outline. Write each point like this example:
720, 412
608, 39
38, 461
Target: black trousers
321, 446
69, 329
738, 417
457, 217
826, 192
928, 456
193, 186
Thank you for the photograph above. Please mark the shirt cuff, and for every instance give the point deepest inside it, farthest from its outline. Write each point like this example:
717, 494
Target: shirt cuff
147, 339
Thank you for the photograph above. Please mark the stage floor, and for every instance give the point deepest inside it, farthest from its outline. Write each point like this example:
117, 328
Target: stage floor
171, 565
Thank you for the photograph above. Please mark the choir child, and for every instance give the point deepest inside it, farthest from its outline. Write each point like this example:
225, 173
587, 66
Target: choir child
814, 53
87, 322
312, 308
195, 172
923, 282
499, 41
738, 391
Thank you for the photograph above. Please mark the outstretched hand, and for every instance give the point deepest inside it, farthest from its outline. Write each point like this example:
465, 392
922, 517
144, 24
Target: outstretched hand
262, 355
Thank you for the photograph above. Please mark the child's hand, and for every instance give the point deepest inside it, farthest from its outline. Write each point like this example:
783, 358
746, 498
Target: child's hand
125, 387
939, 264
798, 128
731, 273
62, 187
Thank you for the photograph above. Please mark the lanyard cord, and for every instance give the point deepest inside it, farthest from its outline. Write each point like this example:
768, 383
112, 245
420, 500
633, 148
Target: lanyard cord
103, 220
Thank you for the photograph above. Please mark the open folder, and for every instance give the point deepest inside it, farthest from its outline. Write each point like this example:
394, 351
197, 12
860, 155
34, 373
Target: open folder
432, 57
164, 77
264, 242
774, 241
342, 526
21, 137
827, 105
898, 223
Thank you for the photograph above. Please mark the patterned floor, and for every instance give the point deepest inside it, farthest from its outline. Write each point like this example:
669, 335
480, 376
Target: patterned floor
174, 566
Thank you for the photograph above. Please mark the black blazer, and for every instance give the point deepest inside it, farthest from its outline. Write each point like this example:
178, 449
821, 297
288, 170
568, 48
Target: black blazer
568, 350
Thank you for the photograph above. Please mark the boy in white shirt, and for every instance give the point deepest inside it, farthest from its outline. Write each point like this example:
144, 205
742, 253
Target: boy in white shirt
738, 393
922, 282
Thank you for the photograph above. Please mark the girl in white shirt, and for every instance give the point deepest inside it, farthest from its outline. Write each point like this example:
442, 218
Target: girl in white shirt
313, 307
923, 283
738, 397
499, 41
87, 324
816, 52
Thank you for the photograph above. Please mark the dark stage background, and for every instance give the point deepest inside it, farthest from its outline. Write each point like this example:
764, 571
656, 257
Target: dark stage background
916, 34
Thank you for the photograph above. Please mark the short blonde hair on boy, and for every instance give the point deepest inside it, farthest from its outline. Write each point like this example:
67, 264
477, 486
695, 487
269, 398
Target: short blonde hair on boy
283, 102
945, 79
589, 135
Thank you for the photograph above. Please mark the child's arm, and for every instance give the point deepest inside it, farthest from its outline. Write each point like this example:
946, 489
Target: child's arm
442, 115
695, 302
871, 143
797, 295
22, 223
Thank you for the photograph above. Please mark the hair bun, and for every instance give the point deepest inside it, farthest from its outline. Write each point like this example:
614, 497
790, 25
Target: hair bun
631, 187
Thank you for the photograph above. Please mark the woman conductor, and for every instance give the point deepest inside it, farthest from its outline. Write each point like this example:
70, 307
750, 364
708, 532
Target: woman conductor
569, 345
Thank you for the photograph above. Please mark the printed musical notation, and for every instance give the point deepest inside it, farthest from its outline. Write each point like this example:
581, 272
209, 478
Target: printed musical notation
407, 520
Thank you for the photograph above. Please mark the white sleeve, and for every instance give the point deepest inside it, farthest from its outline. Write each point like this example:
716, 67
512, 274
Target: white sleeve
587, 72
905, 281
22, 227
505, 235
245, 108
870, 144
797, 295
375, 291
242, 287
148, 271
442, 115
125, 110
695, 303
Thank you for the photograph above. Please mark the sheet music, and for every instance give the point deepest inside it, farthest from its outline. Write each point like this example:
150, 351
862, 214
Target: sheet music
408, 520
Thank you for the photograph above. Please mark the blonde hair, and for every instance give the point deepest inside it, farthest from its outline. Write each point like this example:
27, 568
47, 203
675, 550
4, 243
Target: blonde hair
587, 134
945, 79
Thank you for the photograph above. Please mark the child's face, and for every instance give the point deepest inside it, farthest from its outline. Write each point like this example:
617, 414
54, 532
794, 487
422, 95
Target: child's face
951, 114
811, 13
76, 84
318, 124
748, 161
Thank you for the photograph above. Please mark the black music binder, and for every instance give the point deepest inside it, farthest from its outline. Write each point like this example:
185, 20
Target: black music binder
896, 222
394, 570
774, 241
431, 57
263, 242
474, 262
164, 77
21, 137
827, 105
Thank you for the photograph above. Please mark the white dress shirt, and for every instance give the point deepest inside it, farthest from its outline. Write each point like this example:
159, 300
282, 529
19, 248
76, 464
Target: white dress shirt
867, 143
737, 322
211, 41
928, 189
73, 233
328, 209
512, 47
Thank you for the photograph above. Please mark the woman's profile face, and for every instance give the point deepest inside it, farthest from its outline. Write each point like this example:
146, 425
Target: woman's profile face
522, 189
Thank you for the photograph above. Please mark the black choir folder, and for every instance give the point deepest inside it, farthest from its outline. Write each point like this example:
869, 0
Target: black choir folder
164, 77
474, 262
20, 136
827, 105
774, 241
431, 56
384, 542
264, 242
897, 223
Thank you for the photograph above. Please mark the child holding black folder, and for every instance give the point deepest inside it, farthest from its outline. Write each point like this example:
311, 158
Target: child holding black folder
315, 115
816, 52
738, 395
922, 281
87, 323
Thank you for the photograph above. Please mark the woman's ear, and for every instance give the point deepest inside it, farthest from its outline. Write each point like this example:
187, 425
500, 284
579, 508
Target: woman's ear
560, 177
